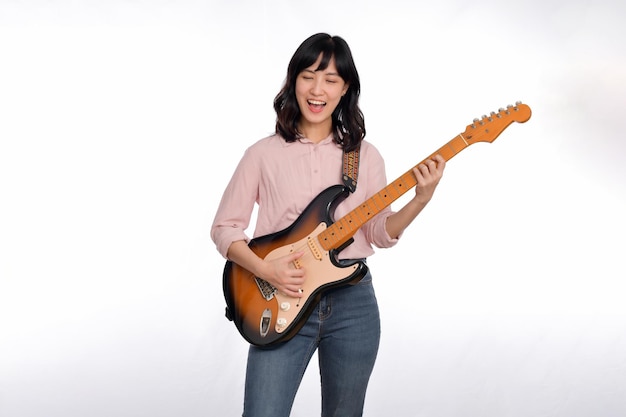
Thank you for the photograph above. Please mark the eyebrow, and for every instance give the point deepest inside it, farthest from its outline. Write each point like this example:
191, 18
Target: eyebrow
326, 73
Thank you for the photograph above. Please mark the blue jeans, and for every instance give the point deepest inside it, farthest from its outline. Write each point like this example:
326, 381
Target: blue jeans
345, 329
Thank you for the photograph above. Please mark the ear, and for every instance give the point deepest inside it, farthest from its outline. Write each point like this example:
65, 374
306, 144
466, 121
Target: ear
346, 87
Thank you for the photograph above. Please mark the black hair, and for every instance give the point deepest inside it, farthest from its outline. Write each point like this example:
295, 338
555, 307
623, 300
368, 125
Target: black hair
347, 118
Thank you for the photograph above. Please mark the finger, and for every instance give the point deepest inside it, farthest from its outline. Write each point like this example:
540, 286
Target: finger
295, 293
427, 169
297, 273
294, 256
418, 174
294, 290
423, 168
441, 162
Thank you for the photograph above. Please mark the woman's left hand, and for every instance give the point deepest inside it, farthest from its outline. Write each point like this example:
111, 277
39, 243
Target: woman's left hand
428, 175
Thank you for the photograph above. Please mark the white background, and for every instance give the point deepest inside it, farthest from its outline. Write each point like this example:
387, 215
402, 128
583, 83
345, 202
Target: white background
122, 121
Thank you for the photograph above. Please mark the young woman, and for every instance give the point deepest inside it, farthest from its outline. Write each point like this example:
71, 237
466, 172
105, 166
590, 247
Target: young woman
318, 118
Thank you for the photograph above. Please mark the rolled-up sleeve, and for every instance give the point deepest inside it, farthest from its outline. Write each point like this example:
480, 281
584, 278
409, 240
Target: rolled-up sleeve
377, 231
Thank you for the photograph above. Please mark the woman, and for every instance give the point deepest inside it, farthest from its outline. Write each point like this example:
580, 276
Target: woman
318, 118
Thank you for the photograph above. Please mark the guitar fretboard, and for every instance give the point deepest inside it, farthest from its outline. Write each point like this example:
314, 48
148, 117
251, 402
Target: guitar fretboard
343, 229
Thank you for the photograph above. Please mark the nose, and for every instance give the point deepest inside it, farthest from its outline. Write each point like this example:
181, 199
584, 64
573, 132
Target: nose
316, 87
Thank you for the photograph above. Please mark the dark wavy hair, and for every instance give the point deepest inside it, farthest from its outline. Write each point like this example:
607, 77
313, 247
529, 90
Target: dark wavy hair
348, 120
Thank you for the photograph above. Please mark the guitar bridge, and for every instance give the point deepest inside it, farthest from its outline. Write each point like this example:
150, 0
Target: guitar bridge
267, 289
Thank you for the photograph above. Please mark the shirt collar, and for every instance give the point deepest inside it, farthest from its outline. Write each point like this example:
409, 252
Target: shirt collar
329, 139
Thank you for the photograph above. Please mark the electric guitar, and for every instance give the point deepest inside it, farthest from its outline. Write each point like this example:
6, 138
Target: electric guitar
265, 316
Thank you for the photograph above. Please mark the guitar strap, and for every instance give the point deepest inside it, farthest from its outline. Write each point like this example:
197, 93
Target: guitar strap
351, 169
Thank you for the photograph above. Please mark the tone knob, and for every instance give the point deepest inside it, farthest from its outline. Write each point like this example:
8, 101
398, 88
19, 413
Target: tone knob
285, 306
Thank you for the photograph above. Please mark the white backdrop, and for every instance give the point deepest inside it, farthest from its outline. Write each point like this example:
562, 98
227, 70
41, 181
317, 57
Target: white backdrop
121, 122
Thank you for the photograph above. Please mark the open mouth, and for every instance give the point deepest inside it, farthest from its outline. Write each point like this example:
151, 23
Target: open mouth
316, 105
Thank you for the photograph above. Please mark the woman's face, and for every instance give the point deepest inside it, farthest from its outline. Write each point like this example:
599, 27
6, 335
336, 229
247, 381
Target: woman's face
318, 93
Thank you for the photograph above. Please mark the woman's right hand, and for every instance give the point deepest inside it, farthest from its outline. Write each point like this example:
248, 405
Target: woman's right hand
284, 275
281, 272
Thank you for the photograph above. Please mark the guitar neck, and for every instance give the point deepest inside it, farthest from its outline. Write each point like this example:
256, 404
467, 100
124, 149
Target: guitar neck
343, 229
485, 130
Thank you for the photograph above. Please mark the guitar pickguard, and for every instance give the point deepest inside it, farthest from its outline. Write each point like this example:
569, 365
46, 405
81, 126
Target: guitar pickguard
319, 269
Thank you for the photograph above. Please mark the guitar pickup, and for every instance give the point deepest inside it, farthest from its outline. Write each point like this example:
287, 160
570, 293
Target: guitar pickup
317, 254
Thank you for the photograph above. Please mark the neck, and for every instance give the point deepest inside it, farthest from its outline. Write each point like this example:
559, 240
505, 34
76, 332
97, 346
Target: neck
315, 133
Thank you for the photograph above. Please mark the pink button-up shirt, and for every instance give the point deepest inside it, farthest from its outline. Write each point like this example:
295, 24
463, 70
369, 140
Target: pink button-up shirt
283, 178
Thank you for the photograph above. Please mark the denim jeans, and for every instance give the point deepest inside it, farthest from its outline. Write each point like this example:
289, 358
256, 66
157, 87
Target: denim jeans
345, 329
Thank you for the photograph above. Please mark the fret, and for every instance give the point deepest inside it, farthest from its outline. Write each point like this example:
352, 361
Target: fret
385, 196
378, 202
364, 211
390, 192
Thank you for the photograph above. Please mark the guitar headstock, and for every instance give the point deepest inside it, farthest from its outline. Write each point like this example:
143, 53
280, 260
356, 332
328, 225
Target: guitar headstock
488, 128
